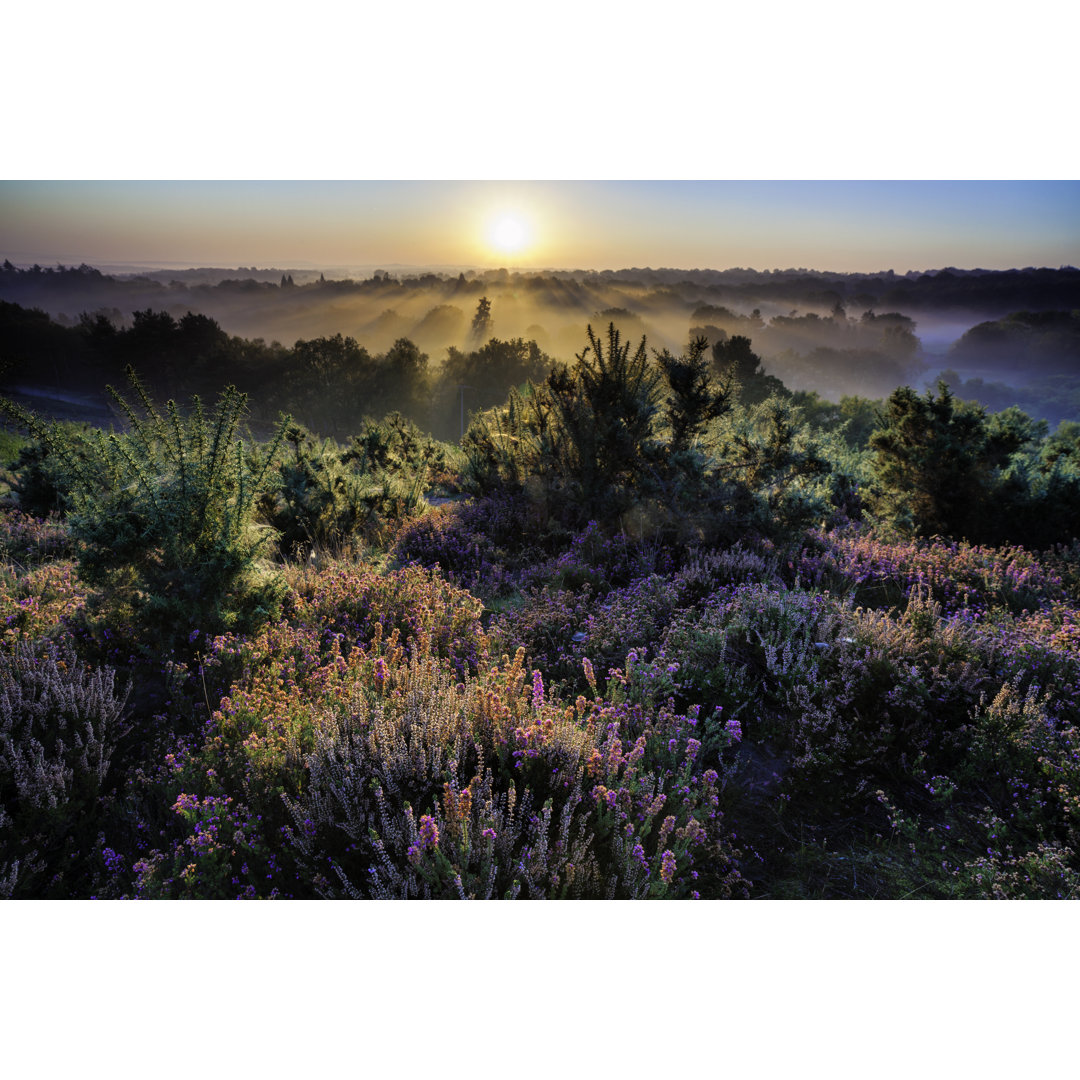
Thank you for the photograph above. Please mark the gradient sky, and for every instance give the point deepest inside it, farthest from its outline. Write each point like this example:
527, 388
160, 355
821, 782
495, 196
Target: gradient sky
824, 225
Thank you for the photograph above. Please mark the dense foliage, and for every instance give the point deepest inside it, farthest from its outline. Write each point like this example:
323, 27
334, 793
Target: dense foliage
658, 628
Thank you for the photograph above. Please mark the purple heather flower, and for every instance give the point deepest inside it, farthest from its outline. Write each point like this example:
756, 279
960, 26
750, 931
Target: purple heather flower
427, 841
734, 730
538, 689
380, 672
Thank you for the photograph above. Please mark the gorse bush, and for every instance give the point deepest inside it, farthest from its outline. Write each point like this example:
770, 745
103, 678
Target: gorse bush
165, 515
325, 496
770, 476
586, 435
652, 445
943, 466
41, 477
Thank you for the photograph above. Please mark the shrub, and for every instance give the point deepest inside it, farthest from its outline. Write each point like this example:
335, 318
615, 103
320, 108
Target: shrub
587, 801
42, 473
327, 496
38, 602
964, 578
59, 726
29, 540
164, 514
403, 776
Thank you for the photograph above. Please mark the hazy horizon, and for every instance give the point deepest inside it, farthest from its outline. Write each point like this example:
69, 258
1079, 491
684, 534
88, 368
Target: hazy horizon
828, 226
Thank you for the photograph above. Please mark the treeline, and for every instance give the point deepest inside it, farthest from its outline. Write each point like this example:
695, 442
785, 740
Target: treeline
834, 333
1037, 343
330, 384
949, 288
927, 464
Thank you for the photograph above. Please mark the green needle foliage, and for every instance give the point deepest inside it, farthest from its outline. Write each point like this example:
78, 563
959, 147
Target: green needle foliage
619, 438
164, 512
585, 434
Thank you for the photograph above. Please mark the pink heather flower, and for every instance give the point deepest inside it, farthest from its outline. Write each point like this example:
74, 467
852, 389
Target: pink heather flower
667, 867
538, 689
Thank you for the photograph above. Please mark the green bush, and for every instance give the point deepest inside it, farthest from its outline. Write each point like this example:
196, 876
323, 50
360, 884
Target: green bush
40, 475
165, 515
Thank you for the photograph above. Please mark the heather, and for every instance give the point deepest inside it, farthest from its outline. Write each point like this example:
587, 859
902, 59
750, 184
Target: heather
651, 631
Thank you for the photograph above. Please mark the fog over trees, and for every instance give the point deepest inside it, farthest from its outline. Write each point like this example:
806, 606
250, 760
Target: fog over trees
438, 345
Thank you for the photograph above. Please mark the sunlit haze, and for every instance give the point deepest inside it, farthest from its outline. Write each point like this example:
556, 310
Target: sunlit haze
826, 225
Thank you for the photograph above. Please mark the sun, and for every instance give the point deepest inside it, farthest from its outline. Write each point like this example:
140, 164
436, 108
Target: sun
509, 234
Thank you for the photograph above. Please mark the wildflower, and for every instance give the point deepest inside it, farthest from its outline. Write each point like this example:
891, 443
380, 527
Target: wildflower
667, 867
590, 675
734, 730
380, 672
538, 689
665, 828
428, 839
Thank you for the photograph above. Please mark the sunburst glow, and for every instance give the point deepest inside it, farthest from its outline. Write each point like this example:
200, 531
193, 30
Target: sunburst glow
509, 234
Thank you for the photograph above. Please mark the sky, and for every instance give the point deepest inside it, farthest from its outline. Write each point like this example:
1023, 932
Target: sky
857, 226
